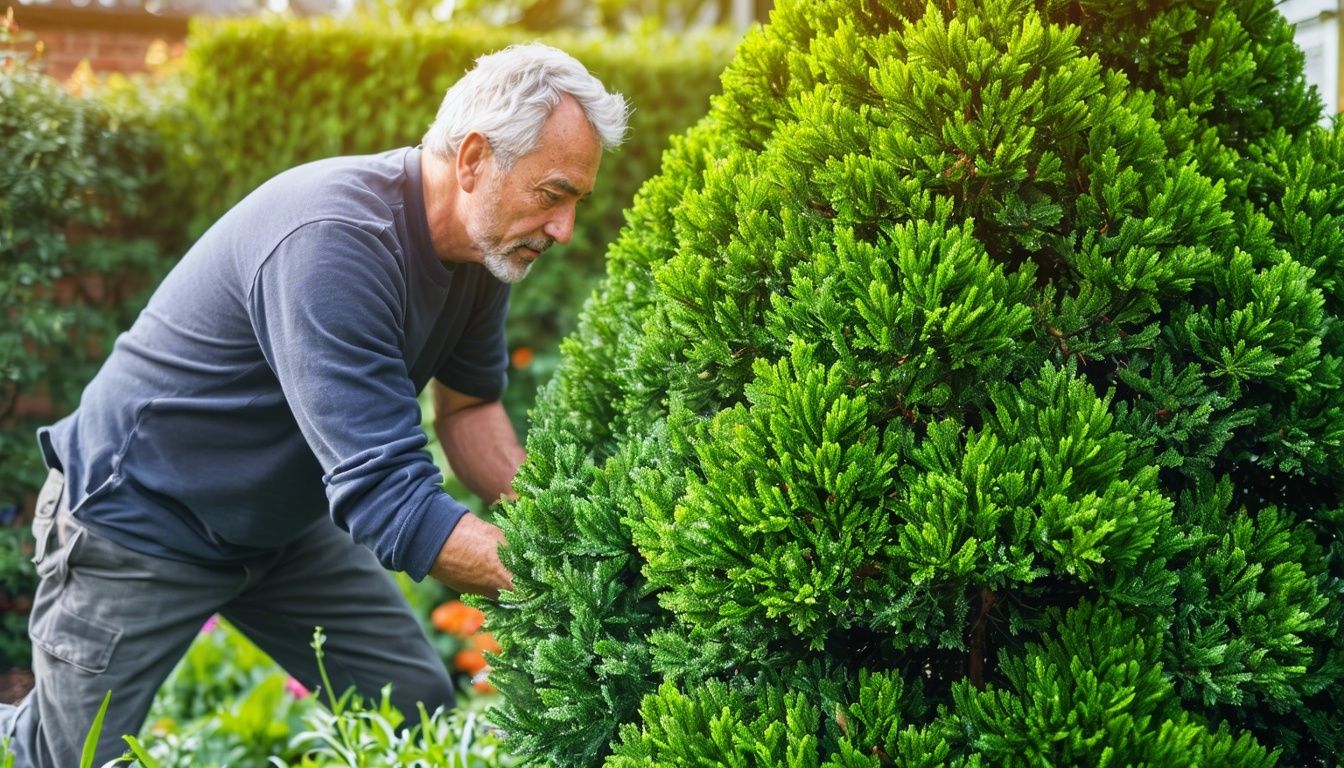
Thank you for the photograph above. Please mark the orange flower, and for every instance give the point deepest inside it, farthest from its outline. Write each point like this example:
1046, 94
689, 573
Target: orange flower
470, 661
522, 357
485, 642
457, 618
483, 687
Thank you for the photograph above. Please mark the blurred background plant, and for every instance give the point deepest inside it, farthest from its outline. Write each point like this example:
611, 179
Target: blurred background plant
17, 582
227, 703
81, 166
609, 15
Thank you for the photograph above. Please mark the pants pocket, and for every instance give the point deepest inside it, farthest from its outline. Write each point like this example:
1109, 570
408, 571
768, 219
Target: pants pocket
80, 642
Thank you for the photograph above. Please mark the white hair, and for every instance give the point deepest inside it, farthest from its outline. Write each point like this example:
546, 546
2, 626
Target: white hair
509, 94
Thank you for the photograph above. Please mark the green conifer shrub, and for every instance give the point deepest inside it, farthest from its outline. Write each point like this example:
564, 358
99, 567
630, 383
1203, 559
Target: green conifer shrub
965, 391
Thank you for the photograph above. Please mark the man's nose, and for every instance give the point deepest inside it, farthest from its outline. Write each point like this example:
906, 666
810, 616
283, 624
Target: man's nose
560, 227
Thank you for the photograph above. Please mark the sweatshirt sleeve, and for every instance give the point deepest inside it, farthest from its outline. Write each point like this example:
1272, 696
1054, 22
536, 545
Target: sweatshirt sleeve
328, 306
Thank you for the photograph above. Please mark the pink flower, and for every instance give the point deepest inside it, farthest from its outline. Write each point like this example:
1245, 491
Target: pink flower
296, 688
210, 623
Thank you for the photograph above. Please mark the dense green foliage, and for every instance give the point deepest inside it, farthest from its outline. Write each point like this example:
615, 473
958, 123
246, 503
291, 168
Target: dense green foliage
965, 390
79, 240
268, 95
18, 580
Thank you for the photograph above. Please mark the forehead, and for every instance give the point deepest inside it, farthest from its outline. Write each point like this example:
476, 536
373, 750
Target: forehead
569, 150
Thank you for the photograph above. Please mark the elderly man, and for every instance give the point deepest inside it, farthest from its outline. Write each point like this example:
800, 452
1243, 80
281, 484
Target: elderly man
252, 447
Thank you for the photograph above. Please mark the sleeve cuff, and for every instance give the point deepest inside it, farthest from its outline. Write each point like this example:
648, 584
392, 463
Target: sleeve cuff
434, 529
487, 387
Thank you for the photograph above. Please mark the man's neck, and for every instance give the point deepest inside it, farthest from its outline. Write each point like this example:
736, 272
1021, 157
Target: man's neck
442, 208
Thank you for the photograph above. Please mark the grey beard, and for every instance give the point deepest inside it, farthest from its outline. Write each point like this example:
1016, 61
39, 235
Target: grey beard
508, 269
505, 268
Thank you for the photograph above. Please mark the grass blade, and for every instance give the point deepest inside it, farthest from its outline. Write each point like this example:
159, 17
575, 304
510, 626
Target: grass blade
140, 753
91, 740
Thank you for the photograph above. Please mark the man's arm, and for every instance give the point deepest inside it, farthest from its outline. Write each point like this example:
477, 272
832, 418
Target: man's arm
482, 448
479, 442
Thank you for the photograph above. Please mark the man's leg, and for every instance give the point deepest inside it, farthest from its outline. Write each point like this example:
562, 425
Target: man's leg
104, 619
325, 579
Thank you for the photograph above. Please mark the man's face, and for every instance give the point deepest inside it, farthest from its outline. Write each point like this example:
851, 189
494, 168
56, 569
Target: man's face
521, 212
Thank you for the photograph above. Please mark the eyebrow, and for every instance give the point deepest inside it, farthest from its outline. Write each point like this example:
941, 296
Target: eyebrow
570, 188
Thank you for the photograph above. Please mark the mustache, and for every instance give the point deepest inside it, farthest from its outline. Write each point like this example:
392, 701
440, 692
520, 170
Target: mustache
540, 245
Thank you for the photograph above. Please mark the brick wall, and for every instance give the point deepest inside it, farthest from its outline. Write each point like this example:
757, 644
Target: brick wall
112, 40
106, 50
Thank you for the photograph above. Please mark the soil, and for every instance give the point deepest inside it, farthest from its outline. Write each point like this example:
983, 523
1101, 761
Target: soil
15, 684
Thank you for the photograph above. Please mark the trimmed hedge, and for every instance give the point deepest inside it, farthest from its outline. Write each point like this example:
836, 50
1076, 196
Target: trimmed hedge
79, 244
80, 241
268, 95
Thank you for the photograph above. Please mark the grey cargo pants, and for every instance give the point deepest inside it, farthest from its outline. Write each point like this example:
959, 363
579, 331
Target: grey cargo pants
107, 618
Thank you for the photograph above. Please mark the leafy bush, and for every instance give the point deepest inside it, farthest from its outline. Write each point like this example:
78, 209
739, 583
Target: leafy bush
82, 178
18, 579
965, 391
269, 94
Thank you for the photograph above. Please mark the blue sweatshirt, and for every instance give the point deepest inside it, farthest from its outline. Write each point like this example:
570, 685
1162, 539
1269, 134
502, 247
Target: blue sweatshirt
272, 378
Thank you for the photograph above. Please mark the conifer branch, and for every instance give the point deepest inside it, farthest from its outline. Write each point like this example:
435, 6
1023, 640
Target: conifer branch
979, 639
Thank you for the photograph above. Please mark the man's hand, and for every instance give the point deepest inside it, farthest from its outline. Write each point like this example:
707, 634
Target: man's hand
482, 448
469, 561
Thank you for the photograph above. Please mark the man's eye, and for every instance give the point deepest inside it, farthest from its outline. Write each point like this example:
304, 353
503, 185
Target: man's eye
550, 197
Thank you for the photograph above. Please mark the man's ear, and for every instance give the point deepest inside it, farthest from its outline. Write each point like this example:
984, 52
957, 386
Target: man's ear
472, 156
